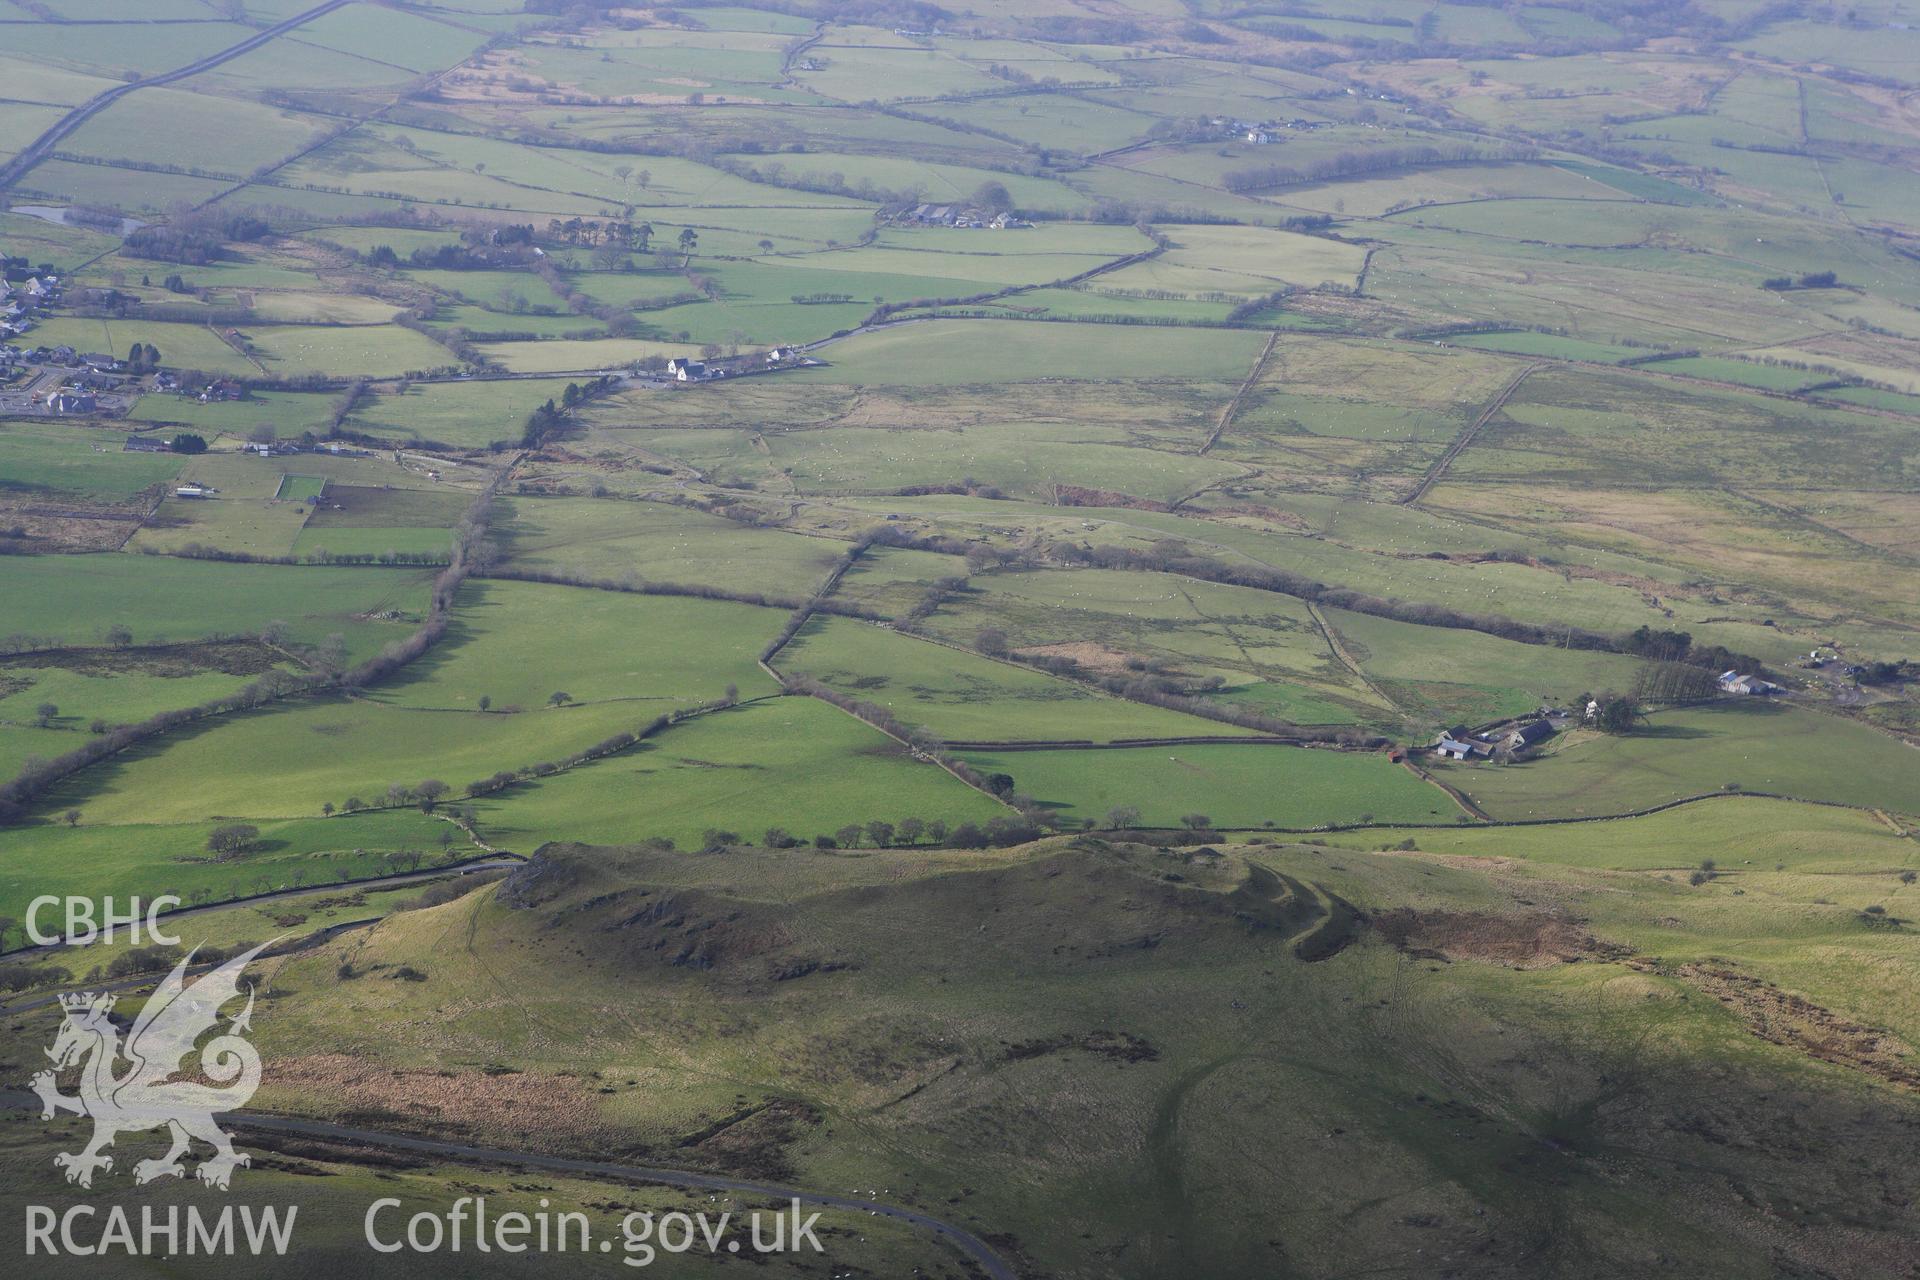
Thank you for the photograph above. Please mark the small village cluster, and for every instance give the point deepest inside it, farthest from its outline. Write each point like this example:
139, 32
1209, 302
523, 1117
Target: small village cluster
1260, 132
687, 369
960, 215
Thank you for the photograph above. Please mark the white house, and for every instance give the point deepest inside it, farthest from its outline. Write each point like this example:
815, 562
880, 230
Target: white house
81, 401
780, 355
190, 491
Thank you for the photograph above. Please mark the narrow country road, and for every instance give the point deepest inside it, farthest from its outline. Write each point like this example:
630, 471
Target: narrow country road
37, 150
968, 1243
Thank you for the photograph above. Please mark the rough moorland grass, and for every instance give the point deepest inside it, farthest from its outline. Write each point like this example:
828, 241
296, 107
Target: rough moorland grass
659, 543
1749, 745
1022, 457
962, 351
1235, 786
1113, 946
961, 696
1737, 832
795, 763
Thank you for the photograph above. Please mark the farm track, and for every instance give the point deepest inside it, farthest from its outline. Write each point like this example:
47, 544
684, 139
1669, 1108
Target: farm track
36, 151
976, 1249
1246, 385
1339, 650
1459, 797
1465, 438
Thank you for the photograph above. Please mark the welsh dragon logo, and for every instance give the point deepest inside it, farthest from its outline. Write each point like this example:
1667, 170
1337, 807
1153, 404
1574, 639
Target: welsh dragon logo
145, 1095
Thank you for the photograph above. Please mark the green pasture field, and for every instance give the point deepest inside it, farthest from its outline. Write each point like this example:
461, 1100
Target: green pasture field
325, 750
853, 74
655, 541
402, 240
1095, 301
292, 63
1297, 703
1746, 372
894, 579
947, 269
124, 47
57, 244
1051, 119
1235, 786
1873, 398
795, 763
507, 292
964, 696
22, 122
1751, 746
297, 488
1244, 261
416, 42
74, 600
21, 741
745, 65
372, 350
147, 859
655, 652
32, 80
590, 355
122, 686
1521, 342
85, 462
138, 190
344, 505
239, 924
729, 321
182, 346
1444, 677
241, 515
948, 352
377, 540
1187, 627
462, 414
492, 326
169, 126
